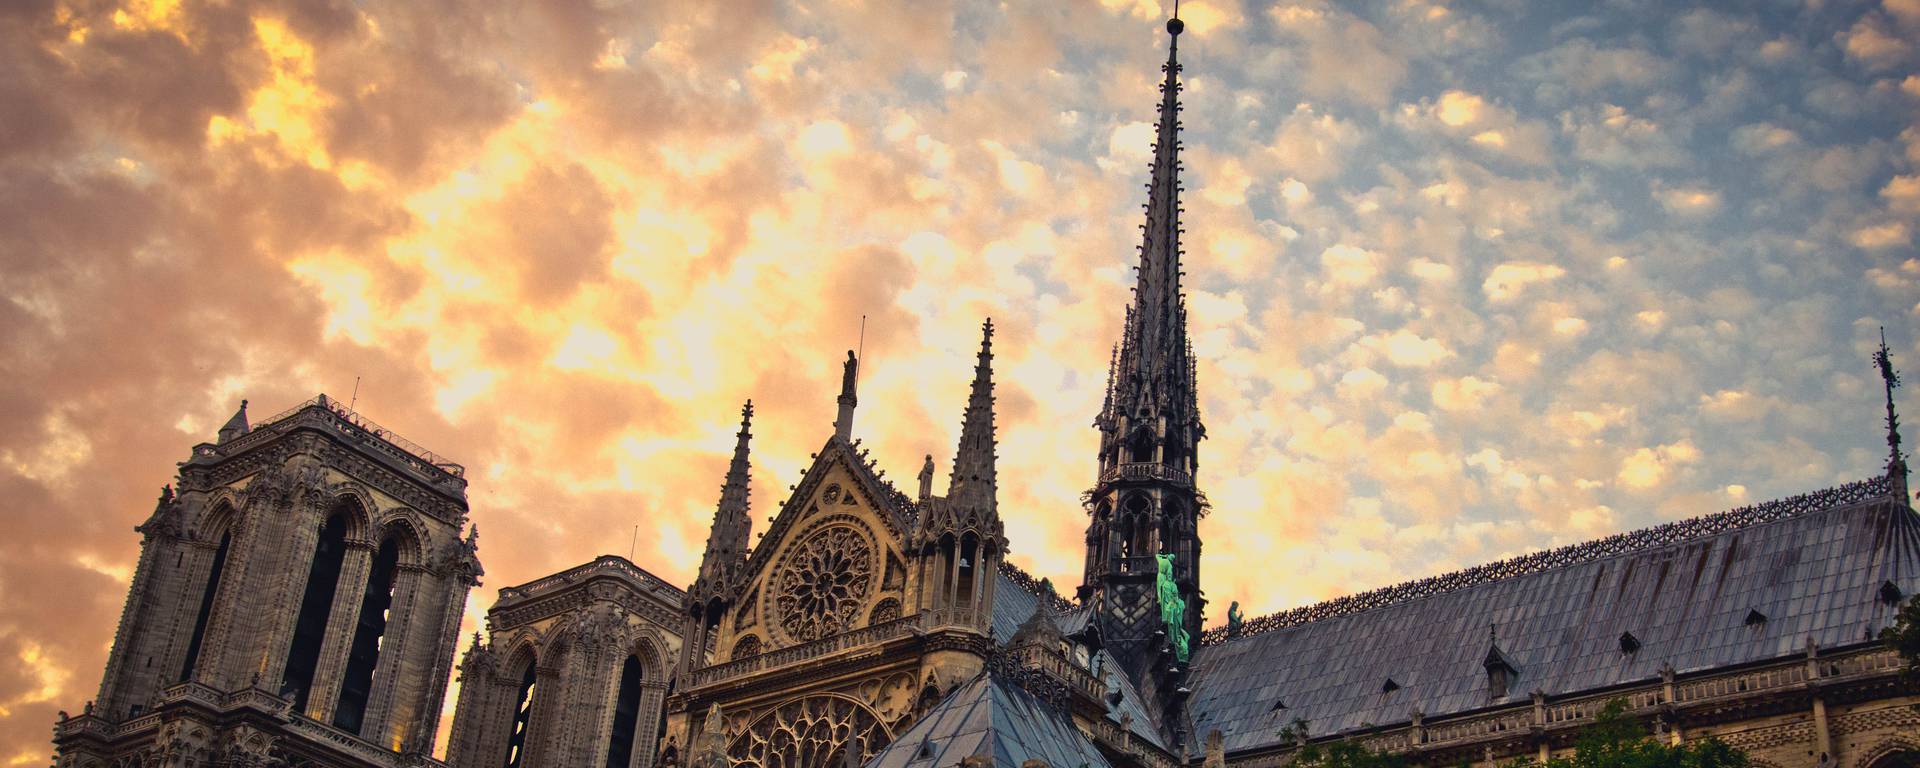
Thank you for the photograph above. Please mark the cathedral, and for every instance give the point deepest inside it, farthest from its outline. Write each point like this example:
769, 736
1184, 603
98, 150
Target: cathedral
298, 596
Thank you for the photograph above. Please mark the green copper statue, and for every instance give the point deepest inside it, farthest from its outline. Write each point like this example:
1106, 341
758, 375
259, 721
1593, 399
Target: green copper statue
1173, 610
1234, 619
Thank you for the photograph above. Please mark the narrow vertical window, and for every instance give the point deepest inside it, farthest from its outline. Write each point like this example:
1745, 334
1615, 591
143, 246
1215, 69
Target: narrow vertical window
315, 608
522, 719
364, 656
947, 554
626, 715
969, 551
206, 605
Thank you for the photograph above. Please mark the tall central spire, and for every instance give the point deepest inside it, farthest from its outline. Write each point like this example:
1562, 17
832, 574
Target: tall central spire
1157, 301
1153, 372
1143, 536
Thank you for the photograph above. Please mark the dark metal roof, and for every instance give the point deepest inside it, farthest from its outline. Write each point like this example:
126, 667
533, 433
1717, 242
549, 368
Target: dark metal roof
1811, 564
1013, 600
990, 716
1130, 710
1014, 595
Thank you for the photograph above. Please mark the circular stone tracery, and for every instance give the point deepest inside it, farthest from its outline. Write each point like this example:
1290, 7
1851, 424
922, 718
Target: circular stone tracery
808, 732
823, 583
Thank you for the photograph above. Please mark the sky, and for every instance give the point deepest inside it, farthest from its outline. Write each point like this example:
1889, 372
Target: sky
1466, 279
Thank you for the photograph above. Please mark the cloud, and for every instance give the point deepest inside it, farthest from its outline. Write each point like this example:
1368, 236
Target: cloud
1871, 43
1507, 281
1583, 67
1893, 234
1688, 200
1406, 349
1348, 265
1646, 468
1347, 57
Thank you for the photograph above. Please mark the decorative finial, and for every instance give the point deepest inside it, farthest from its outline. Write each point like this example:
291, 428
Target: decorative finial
1174, 25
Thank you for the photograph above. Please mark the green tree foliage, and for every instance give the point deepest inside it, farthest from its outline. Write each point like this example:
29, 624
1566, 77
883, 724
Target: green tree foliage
1338, 754
1616, 740
1904, 636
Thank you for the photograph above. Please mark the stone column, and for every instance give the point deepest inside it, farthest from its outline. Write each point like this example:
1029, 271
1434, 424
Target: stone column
267, 604
951, 599
469, 713
343, 617
1822, 735
919, 585
453, 603
549, 712
390, 713
646, 732
118, 695
265, 543
990, 576
593, 708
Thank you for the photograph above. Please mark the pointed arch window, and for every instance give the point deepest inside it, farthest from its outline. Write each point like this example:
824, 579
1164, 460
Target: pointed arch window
316, 607
626, 715
206, 604
522, 719
369, 631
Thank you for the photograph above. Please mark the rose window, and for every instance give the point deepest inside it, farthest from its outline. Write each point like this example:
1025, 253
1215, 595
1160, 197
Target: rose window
824, 584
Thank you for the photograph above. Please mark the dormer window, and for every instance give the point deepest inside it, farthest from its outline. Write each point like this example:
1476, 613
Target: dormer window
1890, 593
1389, 687
1629, 644
1500, 673
1755, 618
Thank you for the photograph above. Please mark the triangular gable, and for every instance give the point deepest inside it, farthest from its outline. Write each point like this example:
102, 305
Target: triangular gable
893, 507
842, 498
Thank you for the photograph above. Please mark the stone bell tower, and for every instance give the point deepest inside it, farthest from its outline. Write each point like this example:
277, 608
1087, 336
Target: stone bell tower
313, 563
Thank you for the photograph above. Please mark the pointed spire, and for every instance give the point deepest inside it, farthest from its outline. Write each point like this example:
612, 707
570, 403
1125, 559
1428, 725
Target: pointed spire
1153, 375
973, 479
235, 426
849, 378
1157, 293
1890, 379
727, 542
